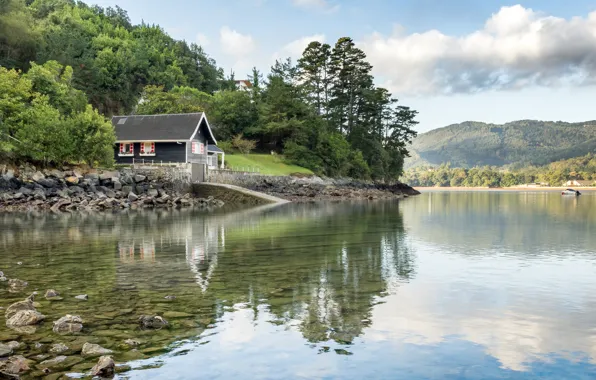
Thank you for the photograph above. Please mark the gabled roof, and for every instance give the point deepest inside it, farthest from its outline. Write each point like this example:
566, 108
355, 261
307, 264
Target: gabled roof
160, 127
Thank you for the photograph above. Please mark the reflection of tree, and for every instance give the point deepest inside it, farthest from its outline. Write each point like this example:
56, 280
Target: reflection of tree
318, 266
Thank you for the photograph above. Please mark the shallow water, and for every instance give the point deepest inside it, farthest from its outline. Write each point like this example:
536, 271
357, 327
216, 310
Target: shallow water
464, 285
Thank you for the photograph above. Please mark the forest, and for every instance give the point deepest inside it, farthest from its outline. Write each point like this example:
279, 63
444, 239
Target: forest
554, 174
66, 67
516, 144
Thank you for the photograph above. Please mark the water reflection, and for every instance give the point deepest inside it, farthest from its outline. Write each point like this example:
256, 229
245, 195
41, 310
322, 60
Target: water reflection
440, 286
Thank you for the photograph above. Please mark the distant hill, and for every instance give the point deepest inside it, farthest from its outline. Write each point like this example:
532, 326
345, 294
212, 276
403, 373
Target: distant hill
519, 143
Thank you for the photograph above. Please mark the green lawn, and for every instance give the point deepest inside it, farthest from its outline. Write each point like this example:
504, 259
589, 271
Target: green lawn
264, 163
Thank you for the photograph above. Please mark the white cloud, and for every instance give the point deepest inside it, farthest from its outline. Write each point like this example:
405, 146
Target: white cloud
295, 48
517, 47
202, 40
319, 5
236, 44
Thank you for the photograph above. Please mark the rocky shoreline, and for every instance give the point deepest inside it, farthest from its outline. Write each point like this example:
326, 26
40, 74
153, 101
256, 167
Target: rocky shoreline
30, 189
312, 189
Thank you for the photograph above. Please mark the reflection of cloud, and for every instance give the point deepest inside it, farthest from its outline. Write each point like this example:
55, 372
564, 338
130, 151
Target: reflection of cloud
520, 314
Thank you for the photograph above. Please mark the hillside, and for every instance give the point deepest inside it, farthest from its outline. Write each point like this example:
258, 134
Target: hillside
519, 143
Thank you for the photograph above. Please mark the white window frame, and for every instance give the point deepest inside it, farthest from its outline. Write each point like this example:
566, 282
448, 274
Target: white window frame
126, 154
144, 145
196, 149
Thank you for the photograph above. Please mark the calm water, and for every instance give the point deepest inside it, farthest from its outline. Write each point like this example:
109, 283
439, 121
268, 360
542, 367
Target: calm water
441, 286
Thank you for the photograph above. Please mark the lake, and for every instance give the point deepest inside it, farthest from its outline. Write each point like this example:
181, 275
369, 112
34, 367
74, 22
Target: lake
445, 285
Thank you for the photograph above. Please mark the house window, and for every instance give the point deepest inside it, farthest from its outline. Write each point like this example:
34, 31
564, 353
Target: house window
147, 148
127, 149
198, 148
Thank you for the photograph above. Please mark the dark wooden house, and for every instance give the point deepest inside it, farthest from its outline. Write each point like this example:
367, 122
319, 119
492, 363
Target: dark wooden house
180, 138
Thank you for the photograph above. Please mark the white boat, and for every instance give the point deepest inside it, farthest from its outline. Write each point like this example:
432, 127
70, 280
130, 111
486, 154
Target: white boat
570, 192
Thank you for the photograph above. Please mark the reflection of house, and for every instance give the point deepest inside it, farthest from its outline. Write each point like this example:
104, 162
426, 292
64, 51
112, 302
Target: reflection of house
146, 251
578, 183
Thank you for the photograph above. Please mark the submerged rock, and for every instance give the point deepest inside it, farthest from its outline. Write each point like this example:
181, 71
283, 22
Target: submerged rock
104, 367
60, 363
14, 365
132, 342
16, 284
177, 314
14, 344
25, 318
90, 349
82, 297
26, 304
58, 348
51, 293
152, 322
5, 350
170, 297
68, 324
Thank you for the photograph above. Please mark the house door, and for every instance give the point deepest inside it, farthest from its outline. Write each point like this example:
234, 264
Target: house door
197, 172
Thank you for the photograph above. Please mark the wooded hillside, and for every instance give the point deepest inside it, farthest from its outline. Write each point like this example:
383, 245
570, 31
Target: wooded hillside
516, 144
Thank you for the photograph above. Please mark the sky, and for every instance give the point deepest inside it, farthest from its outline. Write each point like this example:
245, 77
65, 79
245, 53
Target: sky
452, 61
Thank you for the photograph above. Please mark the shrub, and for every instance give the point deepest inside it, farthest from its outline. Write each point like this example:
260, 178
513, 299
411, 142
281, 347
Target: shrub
243, 145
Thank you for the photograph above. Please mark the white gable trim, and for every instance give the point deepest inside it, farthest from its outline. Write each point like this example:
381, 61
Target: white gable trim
208, 128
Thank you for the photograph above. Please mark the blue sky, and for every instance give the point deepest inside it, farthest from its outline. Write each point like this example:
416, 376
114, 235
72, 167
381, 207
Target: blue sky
455, 60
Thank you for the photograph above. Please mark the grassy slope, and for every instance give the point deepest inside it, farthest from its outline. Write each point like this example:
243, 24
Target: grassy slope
266, 163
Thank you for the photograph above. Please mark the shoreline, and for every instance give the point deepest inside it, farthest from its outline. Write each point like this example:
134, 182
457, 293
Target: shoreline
507, 189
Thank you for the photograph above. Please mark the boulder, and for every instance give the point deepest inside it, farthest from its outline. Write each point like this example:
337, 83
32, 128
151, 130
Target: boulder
126, 189
90, 349
48, 183
68, 324
108, 175
37, 176
152, 192
15, 365
139, 178
75, 190
39, 195
92, 177
50, 293
132, 197
72, 180
25, 318
57, 174
104, 368
14, 344
117, 185
58, 348
25, 191
26, 304
8, 175
152, 322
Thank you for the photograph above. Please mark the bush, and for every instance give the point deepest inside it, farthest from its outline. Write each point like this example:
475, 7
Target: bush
226, 146
243, 145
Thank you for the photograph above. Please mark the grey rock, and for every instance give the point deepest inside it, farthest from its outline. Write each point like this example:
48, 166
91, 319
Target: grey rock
92, 177
5, 350
104, 368
15, 365
111, 193
14, 344
37, 176
82, 297
132, 342
16, 284
50, 293
76, 190
132, 197
58, 348
152, 192
39, 195
25, 191
18, 196
25, 318
48, 183
8, 175
90, 349
139, 178
68, 324
152, 322
117, 185
57, 174
126, 189
108, 175
26, 304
